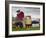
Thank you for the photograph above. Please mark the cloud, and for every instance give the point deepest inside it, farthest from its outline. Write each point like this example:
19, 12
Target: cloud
33, 12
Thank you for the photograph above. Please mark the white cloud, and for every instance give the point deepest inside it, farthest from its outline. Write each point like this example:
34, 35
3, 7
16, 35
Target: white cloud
33, 12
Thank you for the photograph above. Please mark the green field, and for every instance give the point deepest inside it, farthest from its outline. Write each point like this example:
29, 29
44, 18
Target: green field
24, 29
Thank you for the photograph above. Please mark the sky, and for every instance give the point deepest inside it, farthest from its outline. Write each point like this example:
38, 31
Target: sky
32, 11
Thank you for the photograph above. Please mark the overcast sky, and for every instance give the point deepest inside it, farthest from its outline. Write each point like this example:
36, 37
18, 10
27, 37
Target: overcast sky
33, 12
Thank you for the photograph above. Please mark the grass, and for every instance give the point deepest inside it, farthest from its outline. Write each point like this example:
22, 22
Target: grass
14, 28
